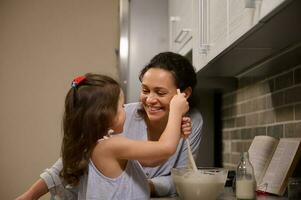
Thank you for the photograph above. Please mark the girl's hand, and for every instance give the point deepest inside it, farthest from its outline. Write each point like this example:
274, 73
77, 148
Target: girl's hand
179, 103
186, 127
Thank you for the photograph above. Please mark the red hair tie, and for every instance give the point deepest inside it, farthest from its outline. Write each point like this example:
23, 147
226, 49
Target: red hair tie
76, 82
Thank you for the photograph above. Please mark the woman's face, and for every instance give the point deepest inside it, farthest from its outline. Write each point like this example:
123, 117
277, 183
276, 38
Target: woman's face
119, 119
157, 89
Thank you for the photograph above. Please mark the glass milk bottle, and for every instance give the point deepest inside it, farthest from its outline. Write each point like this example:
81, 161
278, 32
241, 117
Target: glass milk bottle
245, 179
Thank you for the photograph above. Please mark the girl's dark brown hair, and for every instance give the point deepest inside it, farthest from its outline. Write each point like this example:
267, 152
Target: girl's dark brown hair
90, 108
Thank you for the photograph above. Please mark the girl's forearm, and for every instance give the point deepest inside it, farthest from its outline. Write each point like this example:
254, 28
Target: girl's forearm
173, 128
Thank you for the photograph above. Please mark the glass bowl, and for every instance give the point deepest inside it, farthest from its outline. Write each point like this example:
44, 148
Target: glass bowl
206, 183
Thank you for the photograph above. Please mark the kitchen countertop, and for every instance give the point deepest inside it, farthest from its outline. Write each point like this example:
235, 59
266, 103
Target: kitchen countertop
229, 195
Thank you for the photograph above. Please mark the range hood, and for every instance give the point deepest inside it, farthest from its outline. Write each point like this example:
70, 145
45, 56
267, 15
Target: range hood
272, 45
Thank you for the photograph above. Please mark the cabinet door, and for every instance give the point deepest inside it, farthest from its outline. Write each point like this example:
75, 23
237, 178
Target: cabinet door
180, 28
220, 22
218, 27
266, 6
210, 34
199, 55
242, 17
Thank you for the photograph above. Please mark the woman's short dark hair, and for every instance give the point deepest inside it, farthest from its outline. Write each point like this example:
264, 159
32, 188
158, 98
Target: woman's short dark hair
179, 66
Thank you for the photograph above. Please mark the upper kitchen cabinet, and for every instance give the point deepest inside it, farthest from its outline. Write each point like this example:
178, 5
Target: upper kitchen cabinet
219, 23
267, 6
180, 26
263, 40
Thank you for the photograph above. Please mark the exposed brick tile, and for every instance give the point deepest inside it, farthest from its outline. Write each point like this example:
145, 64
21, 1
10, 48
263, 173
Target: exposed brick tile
234, 110
259, 104
249, 106
269, 102
240, 121
236, 134
293, 130
246, 133
227, 146
228, 100
297, 75
250, 133
259, 89
284, 114
226, 157
275, 131
243, 108
241, 95
277, 99
267, 117
235, 158
226, 135
298, 112
253, 91
259, 131
252, 120
237, 109
266, 87
229, 123
271, 83
247, 145
293, 95
236, 146
284, 81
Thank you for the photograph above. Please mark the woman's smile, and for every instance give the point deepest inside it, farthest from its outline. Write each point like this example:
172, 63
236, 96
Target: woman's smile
157, 89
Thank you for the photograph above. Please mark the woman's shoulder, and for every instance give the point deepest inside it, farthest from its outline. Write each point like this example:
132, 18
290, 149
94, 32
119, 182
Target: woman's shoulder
195, 114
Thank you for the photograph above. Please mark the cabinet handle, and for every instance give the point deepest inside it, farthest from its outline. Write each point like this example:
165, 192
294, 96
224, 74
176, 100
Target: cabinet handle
204, 26
180, 37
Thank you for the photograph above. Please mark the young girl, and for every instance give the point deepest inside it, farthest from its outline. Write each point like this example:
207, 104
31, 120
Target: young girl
103, 164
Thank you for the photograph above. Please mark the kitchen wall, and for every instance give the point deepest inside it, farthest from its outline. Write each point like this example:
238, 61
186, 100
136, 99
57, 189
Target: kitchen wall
148, 30
44, 44
269, 105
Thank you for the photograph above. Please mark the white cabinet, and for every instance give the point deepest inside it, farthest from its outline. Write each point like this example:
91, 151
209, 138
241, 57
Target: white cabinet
218, 24
180, 26
243, 15
266, 6
208, 27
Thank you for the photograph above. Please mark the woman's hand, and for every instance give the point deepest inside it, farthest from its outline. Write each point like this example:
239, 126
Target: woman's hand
186, 127
38, 189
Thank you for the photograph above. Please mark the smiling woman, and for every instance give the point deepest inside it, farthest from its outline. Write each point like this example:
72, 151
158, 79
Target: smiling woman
147, 120
158, 88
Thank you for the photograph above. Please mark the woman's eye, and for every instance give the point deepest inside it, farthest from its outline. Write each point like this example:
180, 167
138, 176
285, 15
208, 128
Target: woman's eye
161, 93
144, 91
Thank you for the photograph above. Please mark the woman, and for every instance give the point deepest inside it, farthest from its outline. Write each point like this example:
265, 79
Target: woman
146, 120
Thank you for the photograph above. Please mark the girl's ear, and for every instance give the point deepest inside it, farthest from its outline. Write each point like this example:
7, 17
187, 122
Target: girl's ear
187, 92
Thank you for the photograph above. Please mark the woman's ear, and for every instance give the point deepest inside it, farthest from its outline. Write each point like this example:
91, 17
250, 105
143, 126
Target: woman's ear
187, 92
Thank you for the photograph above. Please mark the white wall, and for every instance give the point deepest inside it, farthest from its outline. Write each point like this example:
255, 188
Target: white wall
44, 44
148, 36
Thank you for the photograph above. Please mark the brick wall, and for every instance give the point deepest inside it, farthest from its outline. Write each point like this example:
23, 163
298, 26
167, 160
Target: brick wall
267, 106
